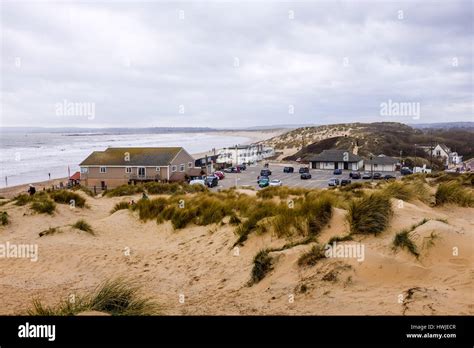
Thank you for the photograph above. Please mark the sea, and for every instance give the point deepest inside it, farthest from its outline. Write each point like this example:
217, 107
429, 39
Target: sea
30, 157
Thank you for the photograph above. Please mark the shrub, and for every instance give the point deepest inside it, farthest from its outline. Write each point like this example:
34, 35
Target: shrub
115, 297
120, 206
311, 257
370, 214
83, 226
453, 192
45, 206
4, 218
125, 190
65, 197
262, 264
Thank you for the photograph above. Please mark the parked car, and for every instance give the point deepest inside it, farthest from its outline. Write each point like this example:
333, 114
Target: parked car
265, 172
304, 170
354, 175
242, 166
305, 176
212, 181
288, 170
345, 182
198, 181
389, 177
337, 171
333, 182
232, 170
264, 182
262, 177
377, 176
406, 171
275, 182
220, 175
367, 175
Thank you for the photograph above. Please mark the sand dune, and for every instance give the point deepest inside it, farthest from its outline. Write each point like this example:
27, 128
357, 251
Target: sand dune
200, 263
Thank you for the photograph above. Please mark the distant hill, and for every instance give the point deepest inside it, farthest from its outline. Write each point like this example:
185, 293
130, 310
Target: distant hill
367, 139
444, 125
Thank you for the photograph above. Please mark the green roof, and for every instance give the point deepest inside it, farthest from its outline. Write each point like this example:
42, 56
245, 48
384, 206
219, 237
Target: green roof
132, 156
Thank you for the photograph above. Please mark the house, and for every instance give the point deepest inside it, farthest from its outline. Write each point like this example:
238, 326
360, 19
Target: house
206, 163
441, 151
382, 163
124, 165
241, 154
336, 159
75, 179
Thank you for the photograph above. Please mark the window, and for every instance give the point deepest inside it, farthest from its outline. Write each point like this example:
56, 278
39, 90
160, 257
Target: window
173, 168
103, 169
181, 167
84, 170
157, 169
190, 164
128, 170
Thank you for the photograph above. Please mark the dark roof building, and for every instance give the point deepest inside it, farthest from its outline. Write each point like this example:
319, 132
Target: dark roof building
336, 159
132, 156
382, 163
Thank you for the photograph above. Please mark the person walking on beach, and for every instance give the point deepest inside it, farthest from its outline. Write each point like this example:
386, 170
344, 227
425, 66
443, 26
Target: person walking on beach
31, 190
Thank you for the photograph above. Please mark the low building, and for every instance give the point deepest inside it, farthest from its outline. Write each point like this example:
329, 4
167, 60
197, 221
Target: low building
441, 151
336, 159
244, 154
382, 163
120, 165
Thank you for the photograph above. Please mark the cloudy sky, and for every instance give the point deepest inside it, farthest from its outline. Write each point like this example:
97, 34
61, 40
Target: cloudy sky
234, 63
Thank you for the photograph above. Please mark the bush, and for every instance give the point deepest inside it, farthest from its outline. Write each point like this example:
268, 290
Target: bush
370, 214
311, 257
115, 297
125, 190
65, 197
453, 192
4, 218
45, 206
120, 206
262, 264
83, 226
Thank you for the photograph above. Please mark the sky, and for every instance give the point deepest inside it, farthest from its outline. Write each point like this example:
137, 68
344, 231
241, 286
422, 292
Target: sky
234, 63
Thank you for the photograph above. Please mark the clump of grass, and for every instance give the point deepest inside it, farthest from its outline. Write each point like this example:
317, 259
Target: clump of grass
49, 231
83, 226
149, 209
453, 192
84, 189
124, 190
311, 257
280, 191
44, 206
68, 197
234, 219
369, 214
340, 239
117, 297
22, 199
262, 264
120, 206
402, 240
399, 190
4, 218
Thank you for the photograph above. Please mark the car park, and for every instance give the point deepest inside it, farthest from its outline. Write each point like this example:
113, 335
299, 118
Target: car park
337, 171
275, 182
264, 182
345, 182
265, 172
377, 176
305, 176
333, 182
354, 175
304, 170
288, 170
367, 175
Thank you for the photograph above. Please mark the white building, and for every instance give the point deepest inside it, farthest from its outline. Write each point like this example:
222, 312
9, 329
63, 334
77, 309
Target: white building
382, 163
441, 151
244, 154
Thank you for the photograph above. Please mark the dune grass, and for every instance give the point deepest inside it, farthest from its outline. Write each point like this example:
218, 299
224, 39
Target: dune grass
311, 257
453, 192
370, 214
4, 218
125, 190
117, 297
43, 206
49, 231
84, 189
66, 197
120, 206
281, 192
23, 199
402, 240
83, 226
262, 264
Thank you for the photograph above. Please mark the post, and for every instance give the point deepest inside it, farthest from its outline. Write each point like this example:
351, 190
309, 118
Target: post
6, 181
